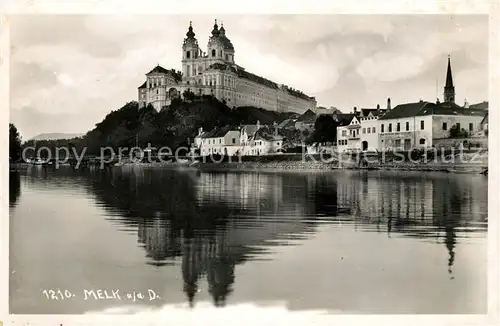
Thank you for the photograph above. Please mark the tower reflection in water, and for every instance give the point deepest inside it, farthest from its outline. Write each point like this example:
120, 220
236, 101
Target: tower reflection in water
213, 221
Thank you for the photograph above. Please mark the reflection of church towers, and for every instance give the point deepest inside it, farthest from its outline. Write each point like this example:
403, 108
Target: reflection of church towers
448, 201
449, 228
208, 255
220, 273
192, 267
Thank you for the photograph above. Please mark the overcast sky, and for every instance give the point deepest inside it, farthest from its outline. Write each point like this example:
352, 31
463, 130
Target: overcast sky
69, 71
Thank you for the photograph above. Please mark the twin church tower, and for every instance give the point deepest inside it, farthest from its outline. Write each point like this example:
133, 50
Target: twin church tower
216, 73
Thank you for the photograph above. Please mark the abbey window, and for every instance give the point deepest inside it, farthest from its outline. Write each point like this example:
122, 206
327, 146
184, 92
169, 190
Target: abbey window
213, 53
188, 54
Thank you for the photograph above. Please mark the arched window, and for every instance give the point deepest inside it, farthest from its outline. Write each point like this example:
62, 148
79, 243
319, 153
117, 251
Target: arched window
213, 53
188, 54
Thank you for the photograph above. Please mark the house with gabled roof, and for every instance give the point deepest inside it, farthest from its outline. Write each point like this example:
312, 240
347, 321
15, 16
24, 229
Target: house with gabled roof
218, 141
265, 141
247, 132
348, 130
418, 125
421, 124
369, 133
247, 140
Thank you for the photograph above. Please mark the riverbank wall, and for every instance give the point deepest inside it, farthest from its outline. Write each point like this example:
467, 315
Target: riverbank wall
320, 166
471, 162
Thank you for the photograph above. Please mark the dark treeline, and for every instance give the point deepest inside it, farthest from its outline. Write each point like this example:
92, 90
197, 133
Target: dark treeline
174, 126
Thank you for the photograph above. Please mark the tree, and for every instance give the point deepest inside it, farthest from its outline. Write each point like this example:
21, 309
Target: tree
14, 143
188, 95
456, 132
325, 130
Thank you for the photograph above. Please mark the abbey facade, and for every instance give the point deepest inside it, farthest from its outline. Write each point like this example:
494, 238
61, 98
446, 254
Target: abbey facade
216, 73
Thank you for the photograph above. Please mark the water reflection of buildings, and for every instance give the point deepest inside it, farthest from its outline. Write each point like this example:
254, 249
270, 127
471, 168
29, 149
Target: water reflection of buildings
213, 222
421, 206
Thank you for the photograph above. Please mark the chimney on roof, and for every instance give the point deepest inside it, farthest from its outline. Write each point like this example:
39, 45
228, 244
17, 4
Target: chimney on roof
258, 124
437, 101
388, 104
466, 104
355, 110
200, 131
420, 100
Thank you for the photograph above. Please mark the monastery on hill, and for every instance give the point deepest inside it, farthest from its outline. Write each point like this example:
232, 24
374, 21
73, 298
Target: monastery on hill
216, 73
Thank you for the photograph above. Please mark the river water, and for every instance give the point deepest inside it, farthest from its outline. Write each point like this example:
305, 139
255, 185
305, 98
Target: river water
345, 241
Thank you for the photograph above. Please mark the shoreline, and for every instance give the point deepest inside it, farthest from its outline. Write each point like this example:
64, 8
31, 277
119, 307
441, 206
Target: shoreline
322, 167
300, 166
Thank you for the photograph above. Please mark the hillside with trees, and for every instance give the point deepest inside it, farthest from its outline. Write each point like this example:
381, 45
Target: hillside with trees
174, 126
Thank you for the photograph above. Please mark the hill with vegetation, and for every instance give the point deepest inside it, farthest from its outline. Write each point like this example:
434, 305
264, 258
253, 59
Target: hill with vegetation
174, 126
55, 136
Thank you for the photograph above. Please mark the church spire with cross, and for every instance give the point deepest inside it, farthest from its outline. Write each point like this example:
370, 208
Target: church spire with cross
449, 88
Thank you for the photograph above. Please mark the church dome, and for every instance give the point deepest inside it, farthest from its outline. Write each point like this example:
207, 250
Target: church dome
190, 34
219, 37
215, 31
225, 42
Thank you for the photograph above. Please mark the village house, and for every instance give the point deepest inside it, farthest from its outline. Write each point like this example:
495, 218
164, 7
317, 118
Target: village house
348, 131
369, 140
422, 124
247, 133
264, 143
247, 140
219, 141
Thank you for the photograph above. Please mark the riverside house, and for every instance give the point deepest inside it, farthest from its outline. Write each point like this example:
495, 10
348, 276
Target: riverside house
221, 141
369, 136
358, 131
265, 143
426, 124
348, 132
420, 124
248, 140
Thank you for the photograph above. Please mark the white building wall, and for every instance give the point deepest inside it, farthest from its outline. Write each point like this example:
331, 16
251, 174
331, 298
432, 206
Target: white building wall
411, 136
342, 138
441, 124
370, 133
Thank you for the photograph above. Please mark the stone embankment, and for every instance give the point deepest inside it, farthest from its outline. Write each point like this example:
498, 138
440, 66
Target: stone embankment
320, 166
261, 166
